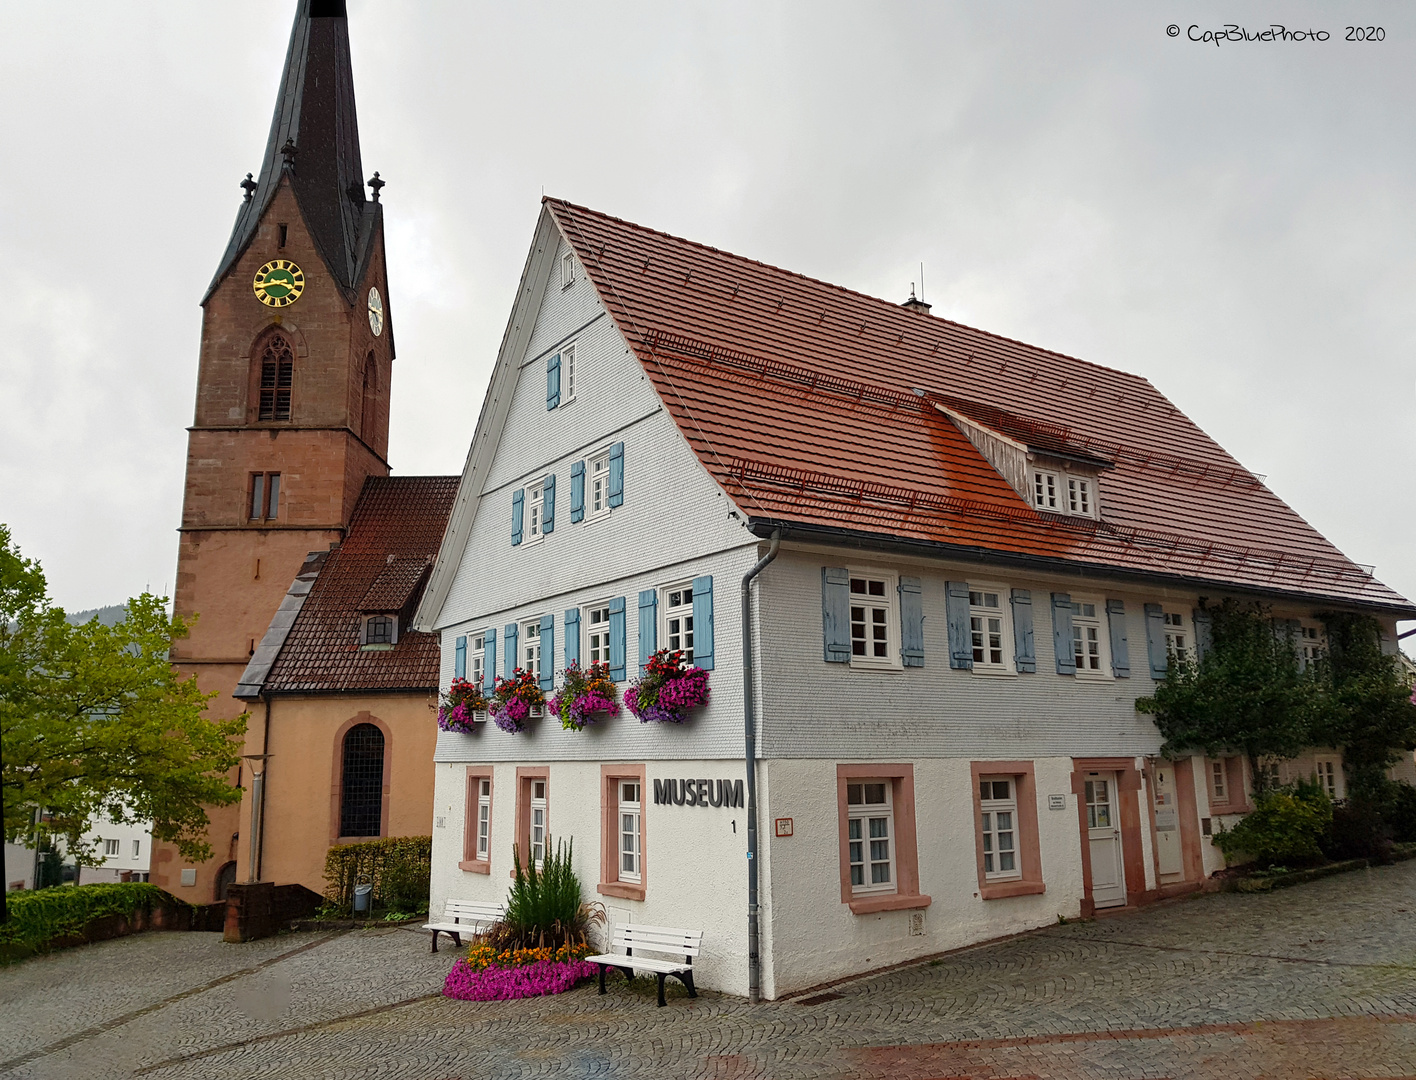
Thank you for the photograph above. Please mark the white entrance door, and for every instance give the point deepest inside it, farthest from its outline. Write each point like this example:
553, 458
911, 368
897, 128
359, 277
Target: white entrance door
1104, 837
1167, 822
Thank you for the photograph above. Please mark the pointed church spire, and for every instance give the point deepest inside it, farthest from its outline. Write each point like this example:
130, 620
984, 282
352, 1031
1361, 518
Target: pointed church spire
314, 140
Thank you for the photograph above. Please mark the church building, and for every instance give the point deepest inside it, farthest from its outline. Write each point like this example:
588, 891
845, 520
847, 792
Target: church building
287, 455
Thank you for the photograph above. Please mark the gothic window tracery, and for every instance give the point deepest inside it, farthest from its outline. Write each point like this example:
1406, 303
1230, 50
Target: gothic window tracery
277, 377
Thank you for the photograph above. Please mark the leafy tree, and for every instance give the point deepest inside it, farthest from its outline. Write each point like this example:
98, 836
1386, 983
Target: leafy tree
94, 721
1367, 710
1249, 692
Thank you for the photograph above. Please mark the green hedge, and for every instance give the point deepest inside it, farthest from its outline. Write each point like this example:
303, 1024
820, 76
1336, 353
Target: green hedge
38, 918
398, 868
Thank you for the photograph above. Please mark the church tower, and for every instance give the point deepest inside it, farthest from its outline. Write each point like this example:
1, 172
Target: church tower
292, 391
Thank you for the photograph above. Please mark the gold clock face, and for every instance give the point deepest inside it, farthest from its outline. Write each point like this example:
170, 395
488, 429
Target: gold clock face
279, 283
376, 312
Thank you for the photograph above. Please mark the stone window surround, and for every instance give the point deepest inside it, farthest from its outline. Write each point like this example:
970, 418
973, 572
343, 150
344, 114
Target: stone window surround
524, 775
609, 883
1029, 844
902, 795
469, 860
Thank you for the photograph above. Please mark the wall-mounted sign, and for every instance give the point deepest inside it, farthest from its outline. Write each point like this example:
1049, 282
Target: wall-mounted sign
698, 793
1057, 802
784, 826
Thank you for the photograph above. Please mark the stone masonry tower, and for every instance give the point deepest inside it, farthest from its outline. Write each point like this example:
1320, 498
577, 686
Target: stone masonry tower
292, 392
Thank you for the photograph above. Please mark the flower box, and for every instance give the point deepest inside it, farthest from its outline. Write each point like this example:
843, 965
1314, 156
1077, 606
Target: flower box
516, 700
587, 696
462, 707
668, 689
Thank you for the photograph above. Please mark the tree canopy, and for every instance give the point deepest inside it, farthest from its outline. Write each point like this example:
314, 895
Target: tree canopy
96, 723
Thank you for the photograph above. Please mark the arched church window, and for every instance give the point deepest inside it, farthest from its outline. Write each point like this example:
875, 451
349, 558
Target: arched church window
277, 376
361, 791
370, 412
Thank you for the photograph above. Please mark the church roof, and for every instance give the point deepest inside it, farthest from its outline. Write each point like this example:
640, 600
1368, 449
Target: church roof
826, 412
313, 644
315, 115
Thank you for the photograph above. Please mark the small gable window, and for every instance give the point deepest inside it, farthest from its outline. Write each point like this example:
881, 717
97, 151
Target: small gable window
1045, 494
379, 631
1079, 497
1063, 493
567, 270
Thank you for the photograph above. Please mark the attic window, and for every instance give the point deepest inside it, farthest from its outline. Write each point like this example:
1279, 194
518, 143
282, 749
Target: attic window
379, 632
1079, 500
567, 270
1062, 493
1045, 490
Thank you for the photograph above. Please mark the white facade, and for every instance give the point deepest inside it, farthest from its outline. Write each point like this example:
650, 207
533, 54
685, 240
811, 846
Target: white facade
934, 731
126, 851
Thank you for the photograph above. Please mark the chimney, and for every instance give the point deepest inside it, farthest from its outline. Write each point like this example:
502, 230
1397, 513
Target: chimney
917, 305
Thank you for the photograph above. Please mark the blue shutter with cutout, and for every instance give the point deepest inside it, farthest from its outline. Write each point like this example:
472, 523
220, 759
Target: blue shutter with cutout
617, 642
1024, 651
911, 591
577, 492
553, 381
1062, 633
489, 662
509, 651
572, 638
1120, 647
1204, 633
518, 511
648, 626
956, 615
548, 505
836, 614
703, 622
1155, 641
459, 658
617, 475
548, 652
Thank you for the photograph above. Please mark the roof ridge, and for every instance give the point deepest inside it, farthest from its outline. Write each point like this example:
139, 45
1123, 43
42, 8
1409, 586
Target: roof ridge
889, 304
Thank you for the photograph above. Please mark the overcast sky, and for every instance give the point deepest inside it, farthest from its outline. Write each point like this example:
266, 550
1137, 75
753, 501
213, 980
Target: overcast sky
1235, 223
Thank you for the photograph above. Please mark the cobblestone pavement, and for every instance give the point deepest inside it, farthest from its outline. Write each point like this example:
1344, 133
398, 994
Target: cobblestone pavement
1314, 981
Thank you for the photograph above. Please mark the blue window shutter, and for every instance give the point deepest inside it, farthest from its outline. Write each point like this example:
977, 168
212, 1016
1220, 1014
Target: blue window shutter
553, 381
911, 591
577, 492
518, 511
617, 474
572, 637
1062, 633
836, 614
489, 661
1204, 636
617, 661
509, 651
548, 505
648, 626
703, 622
956, 614
1024, 651
1155, 641
548, 652
1120, 648
459, 658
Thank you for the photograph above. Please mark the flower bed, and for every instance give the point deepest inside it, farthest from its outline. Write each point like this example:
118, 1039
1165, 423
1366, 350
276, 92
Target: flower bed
487, 974
668, 689
514, 699
460, 706
586, 696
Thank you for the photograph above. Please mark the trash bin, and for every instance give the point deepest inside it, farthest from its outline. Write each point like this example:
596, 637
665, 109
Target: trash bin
361, 899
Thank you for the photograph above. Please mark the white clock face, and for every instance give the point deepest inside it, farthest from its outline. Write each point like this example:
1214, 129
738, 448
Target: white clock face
376, 313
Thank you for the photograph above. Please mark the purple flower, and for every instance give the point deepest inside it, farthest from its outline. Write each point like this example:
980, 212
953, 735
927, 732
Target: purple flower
458, 718
510, 983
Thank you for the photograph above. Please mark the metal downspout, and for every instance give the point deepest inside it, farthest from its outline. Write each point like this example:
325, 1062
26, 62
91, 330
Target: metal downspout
754, 960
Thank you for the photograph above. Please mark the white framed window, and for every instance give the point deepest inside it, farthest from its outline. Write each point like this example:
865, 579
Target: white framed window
1327, 773
478, 668
1088, 639
597, 634
988, 628
567, 269
998, 814
137, 849
379, 631
531, 647
1079, 496
678, 620
1273, 773
110, 848
484, 817
567, 373
535, 510
1047, 493
597, 495
1219, 782
631, 842
870, 835
538, 823
1312, 642
873, 633
1177, 638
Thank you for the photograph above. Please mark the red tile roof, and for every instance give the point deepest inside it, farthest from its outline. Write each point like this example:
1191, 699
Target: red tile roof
815, 407
380, 566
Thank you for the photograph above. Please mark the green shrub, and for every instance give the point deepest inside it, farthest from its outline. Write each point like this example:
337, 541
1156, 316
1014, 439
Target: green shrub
1287, 825
544, 908
398, 867
1401, 813
40, 917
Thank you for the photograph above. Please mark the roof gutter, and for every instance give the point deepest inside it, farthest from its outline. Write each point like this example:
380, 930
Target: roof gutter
864, 541
749, 727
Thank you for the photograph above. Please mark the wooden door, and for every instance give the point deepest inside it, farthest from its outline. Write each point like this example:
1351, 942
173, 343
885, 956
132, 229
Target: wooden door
1104, 839
1167, 822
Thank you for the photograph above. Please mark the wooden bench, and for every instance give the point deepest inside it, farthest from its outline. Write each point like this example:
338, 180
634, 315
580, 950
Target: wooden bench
466, 917
655, 939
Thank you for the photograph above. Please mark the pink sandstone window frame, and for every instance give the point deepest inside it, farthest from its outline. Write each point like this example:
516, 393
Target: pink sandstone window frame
609, 883
902, 795
469, 861
1029, 844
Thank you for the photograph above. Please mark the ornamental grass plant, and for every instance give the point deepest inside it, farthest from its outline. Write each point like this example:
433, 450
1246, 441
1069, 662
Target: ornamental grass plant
545, 907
